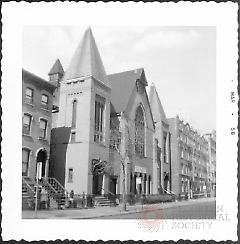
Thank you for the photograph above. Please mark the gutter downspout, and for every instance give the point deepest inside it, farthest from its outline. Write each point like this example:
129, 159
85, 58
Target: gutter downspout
170, 162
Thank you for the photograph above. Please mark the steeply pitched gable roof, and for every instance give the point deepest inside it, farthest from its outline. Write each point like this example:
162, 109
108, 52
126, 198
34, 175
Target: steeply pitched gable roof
56, 68
156, 106
86, 61
122, 85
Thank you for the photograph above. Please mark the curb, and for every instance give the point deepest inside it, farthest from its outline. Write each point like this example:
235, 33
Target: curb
116, 214
139, 209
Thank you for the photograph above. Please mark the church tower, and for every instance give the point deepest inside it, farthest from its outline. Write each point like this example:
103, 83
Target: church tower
163, 138
84, 108
55, 76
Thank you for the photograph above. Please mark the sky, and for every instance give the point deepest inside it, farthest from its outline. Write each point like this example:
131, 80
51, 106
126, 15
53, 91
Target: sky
180, 61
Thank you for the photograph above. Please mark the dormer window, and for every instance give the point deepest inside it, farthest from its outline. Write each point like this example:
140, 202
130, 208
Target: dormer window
54, 77
56, 73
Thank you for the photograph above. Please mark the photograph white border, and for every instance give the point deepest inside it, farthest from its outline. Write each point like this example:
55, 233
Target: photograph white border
17, 15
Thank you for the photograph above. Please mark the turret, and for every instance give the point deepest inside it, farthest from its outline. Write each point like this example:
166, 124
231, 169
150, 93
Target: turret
56, 73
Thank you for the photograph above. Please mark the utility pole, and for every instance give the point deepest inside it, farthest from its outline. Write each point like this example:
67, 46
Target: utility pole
38, 174
36, 198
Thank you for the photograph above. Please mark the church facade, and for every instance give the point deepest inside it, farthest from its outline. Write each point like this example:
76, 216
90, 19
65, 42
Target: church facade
107, 136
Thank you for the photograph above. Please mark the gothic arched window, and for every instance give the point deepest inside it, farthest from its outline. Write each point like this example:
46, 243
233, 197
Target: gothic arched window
139, 132
74, 113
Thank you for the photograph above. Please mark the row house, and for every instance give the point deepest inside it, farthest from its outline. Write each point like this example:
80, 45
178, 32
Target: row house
211, 138
37, 98
189, 154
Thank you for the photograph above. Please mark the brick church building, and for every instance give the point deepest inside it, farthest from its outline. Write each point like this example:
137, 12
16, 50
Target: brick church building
107, 135
93, 133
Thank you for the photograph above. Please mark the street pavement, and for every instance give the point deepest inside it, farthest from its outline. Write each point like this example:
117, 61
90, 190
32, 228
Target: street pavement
195, 210
204, 208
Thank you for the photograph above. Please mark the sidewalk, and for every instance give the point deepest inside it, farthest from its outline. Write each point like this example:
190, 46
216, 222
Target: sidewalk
99, 212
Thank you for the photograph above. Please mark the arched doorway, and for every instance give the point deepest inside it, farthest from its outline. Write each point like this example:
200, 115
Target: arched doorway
166, 182
42, 157
97, 183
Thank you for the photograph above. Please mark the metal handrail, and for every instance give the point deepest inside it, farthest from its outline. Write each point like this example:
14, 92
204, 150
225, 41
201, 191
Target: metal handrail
28, 186
58, 184
169, 192
51, 188
108, 192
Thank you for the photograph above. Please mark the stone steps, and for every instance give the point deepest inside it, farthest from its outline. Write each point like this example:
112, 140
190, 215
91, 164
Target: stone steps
26, 197
103, 201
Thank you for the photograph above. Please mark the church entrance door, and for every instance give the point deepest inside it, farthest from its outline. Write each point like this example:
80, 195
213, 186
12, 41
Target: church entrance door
113, 184
97, 184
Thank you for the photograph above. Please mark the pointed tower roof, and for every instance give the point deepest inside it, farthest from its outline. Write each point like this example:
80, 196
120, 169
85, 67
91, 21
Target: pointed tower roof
86, 61
56, 68
156, 105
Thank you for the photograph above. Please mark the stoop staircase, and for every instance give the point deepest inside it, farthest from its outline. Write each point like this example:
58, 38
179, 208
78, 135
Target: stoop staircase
54, 190
28, 192
103, 201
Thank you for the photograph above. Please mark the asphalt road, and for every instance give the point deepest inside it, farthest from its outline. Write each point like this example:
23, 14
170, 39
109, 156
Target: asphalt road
196, 210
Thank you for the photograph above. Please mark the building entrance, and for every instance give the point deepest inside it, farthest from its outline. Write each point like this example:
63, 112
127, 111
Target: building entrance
113, 185
166, 182
42, 157
97, 184
97, 170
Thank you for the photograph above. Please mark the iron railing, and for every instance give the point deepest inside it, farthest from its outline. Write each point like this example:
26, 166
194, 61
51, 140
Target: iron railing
29, 189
